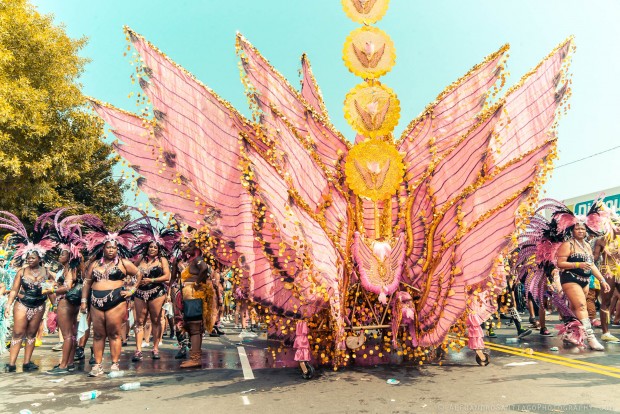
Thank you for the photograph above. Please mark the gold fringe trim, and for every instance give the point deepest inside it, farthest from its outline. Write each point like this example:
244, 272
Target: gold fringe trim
242, 41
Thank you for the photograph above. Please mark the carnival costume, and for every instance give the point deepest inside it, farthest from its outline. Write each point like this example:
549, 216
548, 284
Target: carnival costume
96, 238
104, 300
329, 232
29, 294
536, 260
166, 239
7, 273
610, 266
67, 233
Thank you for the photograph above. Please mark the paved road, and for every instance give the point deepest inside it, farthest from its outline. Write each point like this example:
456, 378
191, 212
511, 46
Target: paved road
515, 381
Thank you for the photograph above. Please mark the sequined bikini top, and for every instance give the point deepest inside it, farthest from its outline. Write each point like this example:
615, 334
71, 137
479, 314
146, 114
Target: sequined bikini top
153, 272
114, 274
31, 287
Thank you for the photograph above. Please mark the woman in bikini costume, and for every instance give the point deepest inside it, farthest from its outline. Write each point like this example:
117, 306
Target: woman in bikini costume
68, 234
28, 294
195, 283
558, 242
151, 294
607, 248
576, 264
104, 282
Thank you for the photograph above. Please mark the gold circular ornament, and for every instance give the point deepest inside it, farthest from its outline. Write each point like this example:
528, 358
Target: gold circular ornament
369, 52
372, 110
374, 169
365, 11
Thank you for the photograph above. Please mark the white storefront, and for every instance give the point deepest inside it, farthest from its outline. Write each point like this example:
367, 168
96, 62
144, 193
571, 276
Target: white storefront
581, 204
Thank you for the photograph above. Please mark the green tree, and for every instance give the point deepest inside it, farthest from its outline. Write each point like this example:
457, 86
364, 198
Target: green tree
51, 148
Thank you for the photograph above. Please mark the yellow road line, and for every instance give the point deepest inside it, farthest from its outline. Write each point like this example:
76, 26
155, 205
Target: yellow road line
545, 358
561, 358
555, 359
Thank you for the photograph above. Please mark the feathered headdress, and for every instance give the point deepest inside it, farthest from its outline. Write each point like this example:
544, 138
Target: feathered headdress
595, 220
23, 244
166, 237
98, 235
67, 233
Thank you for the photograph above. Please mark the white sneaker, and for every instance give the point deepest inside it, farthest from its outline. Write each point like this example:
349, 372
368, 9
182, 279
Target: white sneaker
594, 344
145, 344
57, 347
608, 337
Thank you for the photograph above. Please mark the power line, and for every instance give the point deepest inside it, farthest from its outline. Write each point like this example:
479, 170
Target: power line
589, 156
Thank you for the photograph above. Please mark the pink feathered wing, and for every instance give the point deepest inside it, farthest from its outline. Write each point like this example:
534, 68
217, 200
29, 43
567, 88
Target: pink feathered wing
200, 132
466, 221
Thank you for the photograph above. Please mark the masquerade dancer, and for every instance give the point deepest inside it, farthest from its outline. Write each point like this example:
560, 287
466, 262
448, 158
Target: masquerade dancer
198, 297
28, 294
67, 233
607, 249
105, 276
560, 242
155, 248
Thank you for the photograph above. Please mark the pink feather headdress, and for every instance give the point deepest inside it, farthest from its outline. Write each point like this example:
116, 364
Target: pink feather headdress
596, 221
67, 233
24, 245
166, 238
98, 235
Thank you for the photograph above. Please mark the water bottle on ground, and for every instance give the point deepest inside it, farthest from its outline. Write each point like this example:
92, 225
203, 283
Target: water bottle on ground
116, 374
130, 386
89, 395
25, 411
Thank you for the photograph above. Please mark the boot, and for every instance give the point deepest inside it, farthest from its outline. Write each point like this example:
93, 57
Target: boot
182, 354
194, 361
593, 343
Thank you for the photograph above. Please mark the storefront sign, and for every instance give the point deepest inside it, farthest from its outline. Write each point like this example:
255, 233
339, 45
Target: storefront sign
612, 201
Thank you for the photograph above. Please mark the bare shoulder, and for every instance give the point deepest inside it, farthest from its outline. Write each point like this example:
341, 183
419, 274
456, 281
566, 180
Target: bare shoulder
564, 249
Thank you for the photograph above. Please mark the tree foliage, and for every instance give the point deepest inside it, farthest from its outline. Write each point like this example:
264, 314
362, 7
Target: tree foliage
51, 151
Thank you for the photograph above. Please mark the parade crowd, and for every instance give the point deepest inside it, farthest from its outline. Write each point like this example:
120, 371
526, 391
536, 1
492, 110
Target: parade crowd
72, 275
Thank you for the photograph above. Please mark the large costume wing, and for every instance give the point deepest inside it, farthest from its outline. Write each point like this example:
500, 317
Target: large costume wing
159, 179
306, 266
463, 213
529, 115
302, 142
199, 133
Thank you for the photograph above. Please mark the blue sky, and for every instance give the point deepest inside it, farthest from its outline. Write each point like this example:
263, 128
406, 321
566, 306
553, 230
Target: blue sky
436, 43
